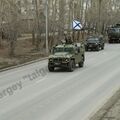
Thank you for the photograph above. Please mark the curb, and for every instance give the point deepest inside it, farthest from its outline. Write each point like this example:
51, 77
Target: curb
23, 64
99, 115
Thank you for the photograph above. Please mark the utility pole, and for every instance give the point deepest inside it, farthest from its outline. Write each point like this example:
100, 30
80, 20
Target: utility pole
46, 10
73, 17
73, 9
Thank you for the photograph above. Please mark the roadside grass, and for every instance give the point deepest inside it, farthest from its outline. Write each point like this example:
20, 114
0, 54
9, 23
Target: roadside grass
24, 52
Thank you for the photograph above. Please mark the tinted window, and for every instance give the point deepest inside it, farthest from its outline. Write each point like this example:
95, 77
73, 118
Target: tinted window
93, 40
68, 50
58, 50
114, 30
63, 50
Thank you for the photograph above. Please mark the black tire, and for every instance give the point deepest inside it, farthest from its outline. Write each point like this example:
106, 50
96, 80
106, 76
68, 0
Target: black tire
110, 41
86, 48
98, 48
102, 47
81, 63
74, 64
51, 69
71, 66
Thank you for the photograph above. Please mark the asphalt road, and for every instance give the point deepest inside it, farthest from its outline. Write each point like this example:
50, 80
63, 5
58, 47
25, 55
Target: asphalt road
32, 93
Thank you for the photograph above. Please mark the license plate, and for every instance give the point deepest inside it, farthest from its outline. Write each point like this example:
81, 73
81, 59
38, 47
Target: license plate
57, 63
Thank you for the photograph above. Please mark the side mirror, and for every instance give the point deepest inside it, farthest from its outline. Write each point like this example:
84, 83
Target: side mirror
51, 51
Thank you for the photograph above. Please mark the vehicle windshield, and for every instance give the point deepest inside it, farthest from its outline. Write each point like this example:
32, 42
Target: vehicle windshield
114, 30
93, 40
61, 49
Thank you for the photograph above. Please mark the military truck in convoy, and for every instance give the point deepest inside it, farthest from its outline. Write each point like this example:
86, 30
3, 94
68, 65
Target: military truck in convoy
67, 55
114, 34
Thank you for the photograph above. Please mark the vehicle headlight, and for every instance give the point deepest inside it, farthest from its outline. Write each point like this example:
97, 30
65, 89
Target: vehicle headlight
50, 59
65, 59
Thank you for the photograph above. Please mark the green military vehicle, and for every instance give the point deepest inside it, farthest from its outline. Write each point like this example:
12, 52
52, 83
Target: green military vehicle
67, 56
114, 34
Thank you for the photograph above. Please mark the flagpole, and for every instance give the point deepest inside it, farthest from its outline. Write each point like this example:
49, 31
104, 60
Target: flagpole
73, 20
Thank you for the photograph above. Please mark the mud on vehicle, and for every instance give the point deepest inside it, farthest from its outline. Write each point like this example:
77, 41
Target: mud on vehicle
66, 56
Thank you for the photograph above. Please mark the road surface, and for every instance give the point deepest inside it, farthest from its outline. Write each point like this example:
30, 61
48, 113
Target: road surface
26, 94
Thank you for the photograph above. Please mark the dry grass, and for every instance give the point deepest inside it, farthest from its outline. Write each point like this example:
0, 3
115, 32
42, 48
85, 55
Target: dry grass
24, 52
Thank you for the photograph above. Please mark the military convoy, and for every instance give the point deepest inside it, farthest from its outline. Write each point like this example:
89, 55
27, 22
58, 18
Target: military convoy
114, 34
67, 55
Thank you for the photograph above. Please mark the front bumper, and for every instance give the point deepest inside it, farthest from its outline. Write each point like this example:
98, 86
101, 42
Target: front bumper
58, 64
92, 46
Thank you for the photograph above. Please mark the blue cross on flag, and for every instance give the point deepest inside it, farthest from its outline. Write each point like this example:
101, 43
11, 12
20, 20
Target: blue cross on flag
76, 25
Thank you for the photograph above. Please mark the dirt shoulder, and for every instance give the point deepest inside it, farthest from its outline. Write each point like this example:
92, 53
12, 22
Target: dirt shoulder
24, 52
111, 110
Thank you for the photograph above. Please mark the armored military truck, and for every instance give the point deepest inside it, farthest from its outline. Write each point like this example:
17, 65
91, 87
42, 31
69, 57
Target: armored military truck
67, 56
114, 34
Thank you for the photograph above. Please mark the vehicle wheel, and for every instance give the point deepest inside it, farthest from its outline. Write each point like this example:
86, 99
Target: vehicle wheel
71, 66
110, 41
74, 64
81, 63
102, 47
51, 69
98, 48
86, 49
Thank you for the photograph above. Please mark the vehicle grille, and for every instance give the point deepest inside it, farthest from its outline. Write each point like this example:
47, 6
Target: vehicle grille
57, 59
91, 43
